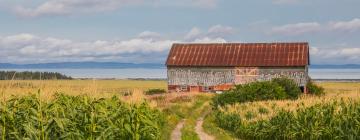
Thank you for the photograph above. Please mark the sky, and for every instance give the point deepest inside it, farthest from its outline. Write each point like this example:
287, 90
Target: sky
142, 31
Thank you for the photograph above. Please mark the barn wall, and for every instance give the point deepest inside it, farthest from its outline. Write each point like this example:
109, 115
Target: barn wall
202, 76
251, 74
222, 78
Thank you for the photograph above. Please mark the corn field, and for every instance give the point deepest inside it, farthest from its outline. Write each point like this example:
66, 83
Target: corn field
338, 119
78, 117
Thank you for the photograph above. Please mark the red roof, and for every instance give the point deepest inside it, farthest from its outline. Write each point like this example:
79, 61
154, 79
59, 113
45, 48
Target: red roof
239, 54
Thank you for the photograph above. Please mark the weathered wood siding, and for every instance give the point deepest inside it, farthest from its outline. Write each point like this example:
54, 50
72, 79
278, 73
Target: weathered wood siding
251, 74
213, 76
200, 76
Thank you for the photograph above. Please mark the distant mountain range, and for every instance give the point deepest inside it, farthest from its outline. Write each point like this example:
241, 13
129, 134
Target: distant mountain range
116, 65
81, 65
345, 66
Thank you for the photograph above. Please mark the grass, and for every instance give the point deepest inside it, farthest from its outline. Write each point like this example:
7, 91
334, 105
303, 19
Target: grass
181, 107
200, 106
175, 106
341, 87
316, 117
210, 127
264, 110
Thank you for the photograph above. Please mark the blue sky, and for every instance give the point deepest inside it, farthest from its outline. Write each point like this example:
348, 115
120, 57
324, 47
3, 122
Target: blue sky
142, 31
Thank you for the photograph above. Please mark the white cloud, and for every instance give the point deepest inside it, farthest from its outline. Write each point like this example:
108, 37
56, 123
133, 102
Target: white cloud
352, 25
350, 51
209, 40
216, 31
149, 34
31, 48
74, 7
220, 30
146, 47
296, 29
312, 27
65, 7
193, 33
335, 55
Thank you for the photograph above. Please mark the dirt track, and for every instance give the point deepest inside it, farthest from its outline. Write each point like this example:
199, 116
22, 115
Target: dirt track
176, 133
200, 131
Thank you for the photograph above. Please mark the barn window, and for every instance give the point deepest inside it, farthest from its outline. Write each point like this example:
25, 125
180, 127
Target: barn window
206, 88
183, 87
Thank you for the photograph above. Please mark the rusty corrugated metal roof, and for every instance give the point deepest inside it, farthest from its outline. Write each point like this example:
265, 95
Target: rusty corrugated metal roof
239, 54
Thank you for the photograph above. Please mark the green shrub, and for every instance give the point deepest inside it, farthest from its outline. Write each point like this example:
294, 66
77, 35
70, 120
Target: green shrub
255, 91
155, 91
315, 89
291, 88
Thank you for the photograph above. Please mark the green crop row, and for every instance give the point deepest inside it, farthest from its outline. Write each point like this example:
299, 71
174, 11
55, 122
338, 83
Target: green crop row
78, 117
333, 120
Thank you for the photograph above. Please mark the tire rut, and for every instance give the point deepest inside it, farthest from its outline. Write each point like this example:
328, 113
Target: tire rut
176, 133
200, 131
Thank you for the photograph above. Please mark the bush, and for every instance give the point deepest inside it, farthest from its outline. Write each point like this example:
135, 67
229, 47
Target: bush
155, 91
314, 89
255, 91
291, 88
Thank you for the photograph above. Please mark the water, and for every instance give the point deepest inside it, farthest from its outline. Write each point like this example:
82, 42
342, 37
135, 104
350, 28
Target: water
334, 73
161, 73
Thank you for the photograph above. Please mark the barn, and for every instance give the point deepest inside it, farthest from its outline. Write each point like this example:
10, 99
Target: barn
205, 67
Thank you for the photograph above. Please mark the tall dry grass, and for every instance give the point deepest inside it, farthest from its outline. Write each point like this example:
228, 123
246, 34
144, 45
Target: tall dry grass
264, 110
92, 88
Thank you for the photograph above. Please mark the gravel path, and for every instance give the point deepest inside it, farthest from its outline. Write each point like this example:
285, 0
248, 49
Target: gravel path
200, 131
176, 133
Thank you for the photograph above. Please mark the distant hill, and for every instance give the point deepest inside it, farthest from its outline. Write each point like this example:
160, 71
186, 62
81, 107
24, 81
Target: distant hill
81, 65
28, 75
346, 66
116, 65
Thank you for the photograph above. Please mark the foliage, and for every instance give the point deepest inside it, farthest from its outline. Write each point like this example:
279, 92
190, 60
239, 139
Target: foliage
229, 121
155, 91
198, 108
78, 117
210, 127
255, 91
291, 88
315, 89
28, 75
188, 110
94, 88
263, 110
334, 120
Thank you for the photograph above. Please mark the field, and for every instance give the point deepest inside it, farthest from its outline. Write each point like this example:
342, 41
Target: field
93, 88
98, 95
334, 115
263, 110
174, 109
